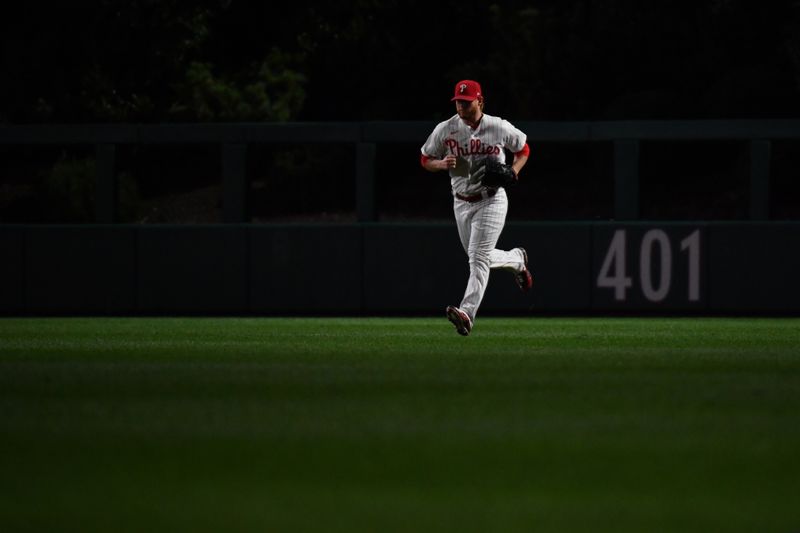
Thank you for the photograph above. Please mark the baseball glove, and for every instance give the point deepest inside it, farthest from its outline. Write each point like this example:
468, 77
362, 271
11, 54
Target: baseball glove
492, 173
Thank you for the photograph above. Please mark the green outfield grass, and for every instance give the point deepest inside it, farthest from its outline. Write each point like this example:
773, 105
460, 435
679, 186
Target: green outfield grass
395, 425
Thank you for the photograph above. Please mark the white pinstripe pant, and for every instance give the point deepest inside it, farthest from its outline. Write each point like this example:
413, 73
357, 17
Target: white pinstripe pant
479, 227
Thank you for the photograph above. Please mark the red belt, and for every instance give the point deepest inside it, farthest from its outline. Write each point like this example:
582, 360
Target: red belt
477, 197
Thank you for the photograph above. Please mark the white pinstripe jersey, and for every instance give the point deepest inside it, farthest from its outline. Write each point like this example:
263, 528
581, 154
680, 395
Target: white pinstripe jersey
490, 139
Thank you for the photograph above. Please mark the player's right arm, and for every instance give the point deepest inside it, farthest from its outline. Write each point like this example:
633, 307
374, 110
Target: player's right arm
433, 157
435, 165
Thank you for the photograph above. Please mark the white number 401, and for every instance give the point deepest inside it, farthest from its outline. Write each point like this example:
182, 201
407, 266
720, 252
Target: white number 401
613, 272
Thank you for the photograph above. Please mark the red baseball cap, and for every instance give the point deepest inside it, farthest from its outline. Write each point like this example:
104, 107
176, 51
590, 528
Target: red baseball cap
467, 90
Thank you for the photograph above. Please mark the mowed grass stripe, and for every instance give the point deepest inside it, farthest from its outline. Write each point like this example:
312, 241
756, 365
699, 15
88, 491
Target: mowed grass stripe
398, 424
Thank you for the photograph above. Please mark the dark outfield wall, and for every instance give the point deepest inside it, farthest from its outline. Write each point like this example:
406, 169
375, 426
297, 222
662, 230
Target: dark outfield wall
387, 269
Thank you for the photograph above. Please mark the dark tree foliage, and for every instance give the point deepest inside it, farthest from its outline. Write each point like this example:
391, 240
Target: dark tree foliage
226, 60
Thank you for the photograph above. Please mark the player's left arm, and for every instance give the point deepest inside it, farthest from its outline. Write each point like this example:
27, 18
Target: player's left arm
520, 158
516, 142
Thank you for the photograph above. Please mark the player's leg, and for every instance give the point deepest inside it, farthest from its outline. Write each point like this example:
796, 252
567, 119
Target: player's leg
463, 214
486, 226
516, 262
512, 260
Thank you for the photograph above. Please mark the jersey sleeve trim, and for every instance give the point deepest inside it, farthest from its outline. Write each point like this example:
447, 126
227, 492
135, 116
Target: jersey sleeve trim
526, 150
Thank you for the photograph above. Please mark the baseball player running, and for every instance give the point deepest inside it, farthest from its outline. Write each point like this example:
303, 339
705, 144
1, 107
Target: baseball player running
467, 145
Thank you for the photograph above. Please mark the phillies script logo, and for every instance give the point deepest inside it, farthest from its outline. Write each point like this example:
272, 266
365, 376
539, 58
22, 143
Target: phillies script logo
475, 147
